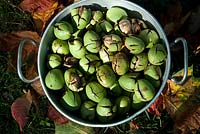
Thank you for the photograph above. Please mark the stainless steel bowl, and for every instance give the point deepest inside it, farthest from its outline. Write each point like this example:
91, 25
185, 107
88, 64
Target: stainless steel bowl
48, 37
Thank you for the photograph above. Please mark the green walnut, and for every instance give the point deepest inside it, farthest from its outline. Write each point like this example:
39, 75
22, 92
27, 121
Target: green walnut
120, 63
77, 48
112, 42
95, 91
81, 17
153, 74
157, 54
105, 76
104, 26
92, 41
74, 79
106, 110
134, 44
88, 110
60, 47
123, 27
54, 60
137, 25
137, 103
89, 63
54, 79
150, 37
106, 56
63, 30
71, 100
97, 16
128, 81
123, 105
145, 90
115, 14
139, 62
116, 90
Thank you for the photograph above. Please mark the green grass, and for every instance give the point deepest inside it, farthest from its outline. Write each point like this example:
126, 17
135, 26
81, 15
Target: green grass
12, 18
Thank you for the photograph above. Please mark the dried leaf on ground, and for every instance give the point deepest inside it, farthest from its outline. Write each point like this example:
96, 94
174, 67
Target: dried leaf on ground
9, 43
154, 108
133, 125
172, 22
38, 87
189, 121
20, 109
172, 28
168, 16
73, 128
54, 115
194, 21
157, 107
179, 100
41, 11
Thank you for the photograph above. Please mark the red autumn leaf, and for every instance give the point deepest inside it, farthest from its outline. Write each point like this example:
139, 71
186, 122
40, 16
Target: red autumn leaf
154, 108
133, 125
20, 109
54, 115
35, 5
157, 106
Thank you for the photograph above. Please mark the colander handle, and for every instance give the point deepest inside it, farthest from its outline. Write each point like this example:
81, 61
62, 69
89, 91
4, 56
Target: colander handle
19, 60
180, 39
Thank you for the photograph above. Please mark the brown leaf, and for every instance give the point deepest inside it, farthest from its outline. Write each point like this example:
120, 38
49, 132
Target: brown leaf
189, 121
20, 109
42, 11
172, 28
38, 87
54, 115
172, 14
194, 21
174, 19
9, 43
182, 103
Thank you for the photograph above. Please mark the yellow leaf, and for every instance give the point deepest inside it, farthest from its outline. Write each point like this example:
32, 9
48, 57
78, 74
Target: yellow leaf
181, 97
44, 16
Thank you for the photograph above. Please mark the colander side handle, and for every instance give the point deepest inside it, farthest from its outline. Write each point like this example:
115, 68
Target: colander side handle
185, 49
19, 60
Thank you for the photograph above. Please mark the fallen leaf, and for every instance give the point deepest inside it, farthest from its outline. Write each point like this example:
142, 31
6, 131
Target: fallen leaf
54, 115
9, 43
154, 108
168, 16
73, 128
173, 18
38, 87
193, 24
157, 107
42, 11
20, 109
189, 121
133, 125
45, 15
180, 101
